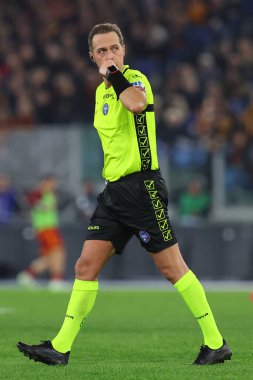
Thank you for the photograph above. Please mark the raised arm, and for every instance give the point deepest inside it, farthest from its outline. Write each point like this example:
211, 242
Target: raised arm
131, 97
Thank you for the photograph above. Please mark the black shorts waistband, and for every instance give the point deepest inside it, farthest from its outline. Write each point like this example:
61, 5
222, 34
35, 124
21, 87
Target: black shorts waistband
136, 175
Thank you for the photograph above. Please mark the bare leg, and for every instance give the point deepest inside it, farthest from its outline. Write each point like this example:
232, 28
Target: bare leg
57, 262
94, 256
39, 265
170, 263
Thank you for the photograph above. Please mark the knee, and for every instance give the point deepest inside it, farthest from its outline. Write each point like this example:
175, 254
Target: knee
84, 270
167, 271
173, 272
79, 267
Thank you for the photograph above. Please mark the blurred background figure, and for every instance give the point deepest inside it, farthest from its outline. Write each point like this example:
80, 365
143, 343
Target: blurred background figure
194, 203
87, 199
9, 204
45, 222
239, 174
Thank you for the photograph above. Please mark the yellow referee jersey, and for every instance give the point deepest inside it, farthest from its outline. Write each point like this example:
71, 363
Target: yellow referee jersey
128, 139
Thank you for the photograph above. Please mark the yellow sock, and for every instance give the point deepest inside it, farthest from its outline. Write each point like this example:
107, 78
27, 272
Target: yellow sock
194, 295
80, 304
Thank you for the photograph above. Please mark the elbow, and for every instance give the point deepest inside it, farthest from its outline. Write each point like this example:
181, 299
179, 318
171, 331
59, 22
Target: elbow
137, 107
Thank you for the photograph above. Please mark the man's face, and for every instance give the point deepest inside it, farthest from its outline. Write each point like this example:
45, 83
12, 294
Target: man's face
107, 46
49, 184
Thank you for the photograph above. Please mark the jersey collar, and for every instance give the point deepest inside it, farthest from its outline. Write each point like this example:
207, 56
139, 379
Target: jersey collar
125, 68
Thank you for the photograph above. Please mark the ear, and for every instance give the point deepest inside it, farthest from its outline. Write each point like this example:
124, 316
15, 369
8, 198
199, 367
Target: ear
91, 56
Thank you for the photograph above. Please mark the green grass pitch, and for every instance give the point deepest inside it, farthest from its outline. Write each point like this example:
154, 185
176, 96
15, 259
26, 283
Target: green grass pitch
130, 335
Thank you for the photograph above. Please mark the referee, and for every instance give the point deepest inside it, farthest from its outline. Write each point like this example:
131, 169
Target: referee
134, 202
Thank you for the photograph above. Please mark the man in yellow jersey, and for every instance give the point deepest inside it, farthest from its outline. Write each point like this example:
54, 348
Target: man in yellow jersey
134, 202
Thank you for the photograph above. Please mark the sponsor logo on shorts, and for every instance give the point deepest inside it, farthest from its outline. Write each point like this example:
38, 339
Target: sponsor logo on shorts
157, 204
163, 225
153, 194
167, 235
92, 228
150, 185
160, 214
105, 109
144, 236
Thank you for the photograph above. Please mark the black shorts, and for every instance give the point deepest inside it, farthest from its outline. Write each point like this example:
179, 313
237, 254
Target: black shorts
134, 205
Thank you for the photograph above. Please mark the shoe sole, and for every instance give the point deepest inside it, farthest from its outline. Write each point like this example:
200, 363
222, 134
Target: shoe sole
37, 358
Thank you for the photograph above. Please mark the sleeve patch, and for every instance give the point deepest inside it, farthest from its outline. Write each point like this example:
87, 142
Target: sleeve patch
139, 85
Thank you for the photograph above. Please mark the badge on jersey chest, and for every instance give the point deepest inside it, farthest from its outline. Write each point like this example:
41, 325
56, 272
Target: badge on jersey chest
105, 109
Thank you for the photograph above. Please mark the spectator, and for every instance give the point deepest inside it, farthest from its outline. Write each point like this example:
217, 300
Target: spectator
199, 40
198, 55
9, 204
86, 201
239, 157
194, 203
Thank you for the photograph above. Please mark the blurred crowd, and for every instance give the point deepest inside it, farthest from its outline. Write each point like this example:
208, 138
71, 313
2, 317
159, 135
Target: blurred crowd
16, 204
198, 55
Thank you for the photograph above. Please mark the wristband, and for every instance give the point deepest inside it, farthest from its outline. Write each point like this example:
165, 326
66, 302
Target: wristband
117, 80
